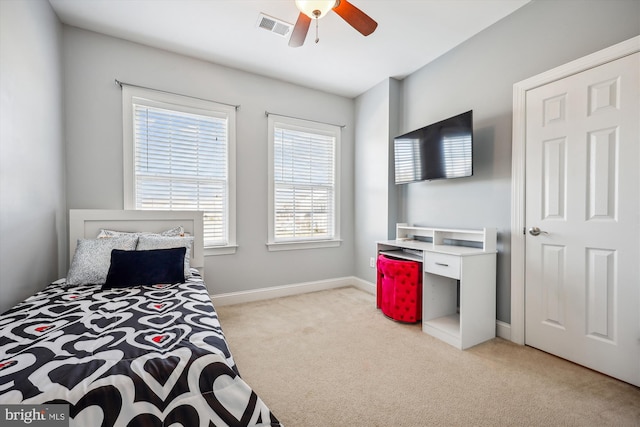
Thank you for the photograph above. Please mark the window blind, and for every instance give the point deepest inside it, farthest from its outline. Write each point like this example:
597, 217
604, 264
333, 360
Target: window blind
407, 160
180, 162
457, 155
304, 185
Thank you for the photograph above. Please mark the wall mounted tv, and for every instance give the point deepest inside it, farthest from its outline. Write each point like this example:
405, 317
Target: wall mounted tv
437, 151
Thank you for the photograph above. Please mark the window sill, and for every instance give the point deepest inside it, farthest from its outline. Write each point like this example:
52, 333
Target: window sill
220, 250
309, 244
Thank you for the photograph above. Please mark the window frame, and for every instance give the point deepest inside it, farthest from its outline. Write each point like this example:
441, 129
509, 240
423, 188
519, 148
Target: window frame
184, 104
277, 121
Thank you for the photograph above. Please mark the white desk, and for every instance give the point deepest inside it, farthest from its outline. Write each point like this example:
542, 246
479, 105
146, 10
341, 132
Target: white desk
461, 317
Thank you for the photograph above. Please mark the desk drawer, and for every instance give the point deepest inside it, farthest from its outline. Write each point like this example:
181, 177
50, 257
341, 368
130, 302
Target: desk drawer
442, 264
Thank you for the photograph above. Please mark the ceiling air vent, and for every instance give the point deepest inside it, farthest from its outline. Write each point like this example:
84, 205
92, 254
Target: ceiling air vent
274, 25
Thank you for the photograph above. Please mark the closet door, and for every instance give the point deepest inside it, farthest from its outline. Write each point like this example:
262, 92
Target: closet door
583, 218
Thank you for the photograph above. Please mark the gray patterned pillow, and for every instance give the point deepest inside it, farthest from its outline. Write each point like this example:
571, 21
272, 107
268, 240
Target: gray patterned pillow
92, 258
147, 242
175, 231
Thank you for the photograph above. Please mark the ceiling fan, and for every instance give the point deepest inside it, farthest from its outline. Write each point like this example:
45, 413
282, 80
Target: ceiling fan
316, 9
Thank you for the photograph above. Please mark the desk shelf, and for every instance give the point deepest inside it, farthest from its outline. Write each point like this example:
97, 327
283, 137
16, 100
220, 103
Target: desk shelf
447, 325
400, 254
486, 237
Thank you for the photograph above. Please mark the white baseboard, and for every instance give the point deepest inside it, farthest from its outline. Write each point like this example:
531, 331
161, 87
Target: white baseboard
286, 290
363, 285
503, 330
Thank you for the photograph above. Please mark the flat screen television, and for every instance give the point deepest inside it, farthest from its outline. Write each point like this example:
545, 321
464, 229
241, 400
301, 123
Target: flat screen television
437, 151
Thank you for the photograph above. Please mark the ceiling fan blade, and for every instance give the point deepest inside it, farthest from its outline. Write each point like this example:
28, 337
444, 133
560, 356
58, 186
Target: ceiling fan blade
300, 30
355, 17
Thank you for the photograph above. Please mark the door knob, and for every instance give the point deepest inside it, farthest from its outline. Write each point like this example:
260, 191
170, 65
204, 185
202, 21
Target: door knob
535, 231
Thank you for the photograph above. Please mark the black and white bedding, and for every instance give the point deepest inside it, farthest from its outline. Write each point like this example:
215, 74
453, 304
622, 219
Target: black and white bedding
150, 355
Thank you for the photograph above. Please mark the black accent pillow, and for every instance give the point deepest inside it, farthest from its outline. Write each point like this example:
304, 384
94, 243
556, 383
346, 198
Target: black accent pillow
151, 267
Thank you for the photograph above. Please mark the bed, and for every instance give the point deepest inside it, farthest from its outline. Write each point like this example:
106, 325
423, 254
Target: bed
120, 353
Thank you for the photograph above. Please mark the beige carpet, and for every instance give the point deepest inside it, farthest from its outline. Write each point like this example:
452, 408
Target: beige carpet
330, 358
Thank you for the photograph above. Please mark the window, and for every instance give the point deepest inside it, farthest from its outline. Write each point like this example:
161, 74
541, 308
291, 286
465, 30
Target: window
179, 154
304, 190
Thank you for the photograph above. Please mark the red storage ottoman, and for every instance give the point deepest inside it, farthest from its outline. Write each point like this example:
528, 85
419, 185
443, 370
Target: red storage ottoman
399, 289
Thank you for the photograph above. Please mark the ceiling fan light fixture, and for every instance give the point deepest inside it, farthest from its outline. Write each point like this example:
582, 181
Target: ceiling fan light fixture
315, 9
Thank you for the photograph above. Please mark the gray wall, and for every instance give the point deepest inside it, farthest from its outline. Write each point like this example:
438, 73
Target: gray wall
377, 118
93, 120
479, 75
32, 191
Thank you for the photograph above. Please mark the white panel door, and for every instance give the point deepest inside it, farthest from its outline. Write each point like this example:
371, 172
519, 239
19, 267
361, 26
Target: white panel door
583, 218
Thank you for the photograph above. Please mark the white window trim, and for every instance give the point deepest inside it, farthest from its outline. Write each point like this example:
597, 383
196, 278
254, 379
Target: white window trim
311, 127
185, 104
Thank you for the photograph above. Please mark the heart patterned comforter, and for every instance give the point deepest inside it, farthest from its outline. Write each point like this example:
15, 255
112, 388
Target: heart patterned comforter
140, 356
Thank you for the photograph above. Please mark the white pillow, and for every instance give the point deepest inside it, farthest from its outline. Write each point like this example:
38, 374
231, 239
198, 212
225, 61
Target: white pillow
92, 259
153, 241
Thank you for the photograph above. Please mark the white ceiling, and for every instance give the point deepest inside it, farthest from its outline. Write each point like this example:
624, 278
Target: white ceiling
410, 34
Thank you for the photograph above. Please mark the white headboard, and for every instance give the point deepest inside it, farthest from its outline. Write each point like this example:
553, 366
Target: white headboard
87, 223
